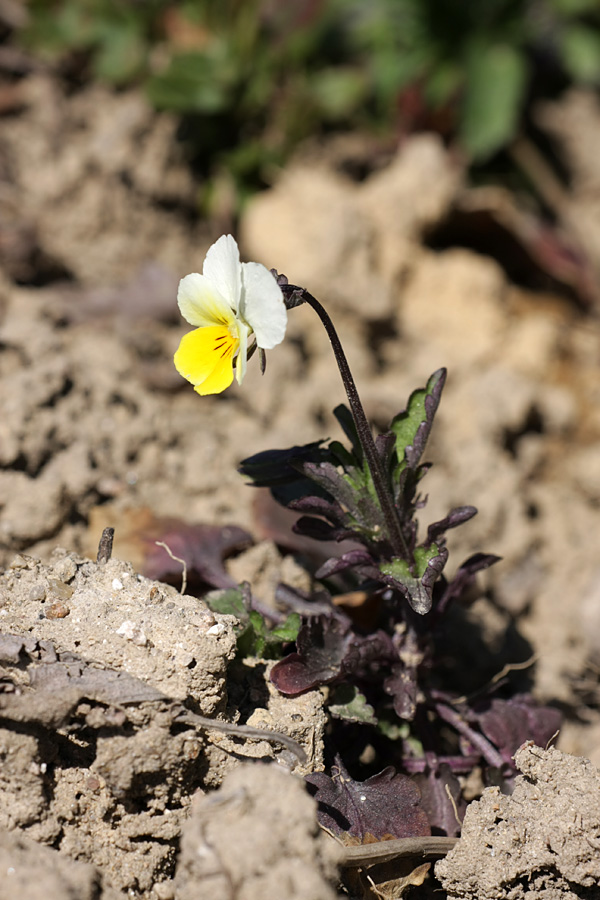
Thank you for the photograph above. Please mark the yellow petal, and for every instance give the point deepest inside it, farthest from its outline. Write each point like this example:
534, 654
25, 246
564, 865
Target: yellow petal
219, 379
205, 357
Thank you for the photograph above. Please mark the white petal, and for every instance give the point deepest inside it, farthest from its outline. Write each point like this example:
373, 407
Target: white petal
262, 305
242, 357
222, 267
200, 303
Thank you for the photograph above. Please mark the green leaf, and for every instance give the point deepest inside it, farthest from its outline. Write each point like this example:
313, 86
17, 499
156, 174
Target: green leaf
422, 556
338, 91
288, 630
574, 7
581, 53
256, 635
228, 602
412, 426
416, 581
120, 56
393, 728
346, 423
443, 82
347, 702
256, 639
496, 80
195, 82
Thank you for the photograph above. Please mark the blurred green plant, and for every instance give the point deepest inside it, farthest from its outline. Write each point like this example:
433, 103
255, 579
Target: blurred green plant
252, 78
255, 636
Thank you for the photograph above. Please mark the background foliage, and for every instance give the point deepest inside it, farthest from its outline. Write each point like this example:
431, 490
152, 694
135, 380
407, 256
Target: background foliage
252, 78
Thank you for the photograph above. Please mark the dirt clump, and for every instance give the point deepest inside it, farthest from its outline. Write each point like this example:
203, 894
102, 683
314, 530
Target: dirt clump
101, 747
541, 843
256, 838
36, 873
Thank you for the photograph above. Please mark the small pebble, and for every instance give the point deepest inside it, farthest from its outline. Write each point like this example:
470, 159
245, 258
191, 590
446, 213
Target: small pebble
132, 632
57, 610
117, 585
21, 562
164, 890
65, 569
58, 591
219, 628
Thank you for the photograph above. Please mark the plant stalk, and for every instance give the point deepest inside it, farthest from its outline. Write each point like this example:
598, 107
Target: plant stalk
386, 501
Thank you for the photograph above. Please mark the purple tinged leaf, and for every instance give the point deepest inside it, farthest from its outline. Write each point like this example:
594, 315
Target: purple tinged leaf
455, 517
417, 585
357, 501
385, 444
348, 426
442, 811
295, 600
367, 654
351, 559
317, 529
412, 427
463, 578
509, 723
202, 547
319, 506
402, 686
322, 644
385, 804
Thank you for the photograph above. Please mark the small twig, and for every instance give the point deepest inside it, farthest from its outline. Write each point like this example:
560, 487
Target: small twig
453, 803
385, 851
487, 749
105, 546
506, 670
176, 559
245, 731
553, 192
529, 159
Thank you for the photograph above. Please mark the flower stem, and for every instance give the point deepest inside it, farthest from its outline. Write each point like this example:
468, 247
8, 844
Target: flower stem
394, 532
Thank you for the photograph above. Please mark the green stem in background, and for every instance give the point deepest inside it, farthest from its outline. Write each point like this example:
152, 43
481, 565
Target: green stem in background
294, 296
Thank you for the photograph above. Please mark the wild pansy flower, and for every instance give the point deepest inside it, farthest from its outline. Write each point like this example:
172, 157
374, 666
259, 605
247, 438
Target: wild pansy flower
228, 303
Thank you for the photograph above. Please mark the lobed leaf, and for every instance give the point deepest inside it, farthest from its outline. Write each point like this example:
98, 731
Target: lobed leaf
509, 723
322, 643
347, 702
385, 804
416, 582
441, 799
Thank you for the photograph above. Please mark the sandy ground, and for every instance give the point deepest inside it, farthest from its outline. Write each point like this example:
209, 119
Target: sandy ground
96, 429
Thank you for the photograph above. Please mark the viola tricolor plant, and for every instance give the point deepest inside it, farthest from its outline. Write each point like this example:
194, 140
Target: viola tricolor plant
383, 670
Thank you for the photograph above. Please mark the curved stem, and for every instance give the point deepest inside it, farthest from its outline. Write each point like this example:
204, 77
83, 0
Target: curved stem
386, 502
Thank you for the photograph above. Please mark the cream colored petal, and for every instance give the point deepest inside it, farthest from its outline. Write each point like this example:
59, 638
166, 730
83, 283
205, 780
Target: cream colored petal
262, 305
222, 268
241, 361
201, 304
